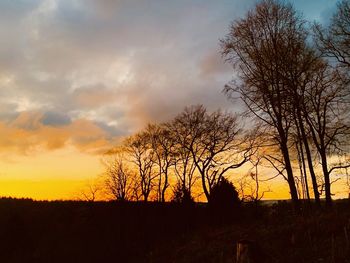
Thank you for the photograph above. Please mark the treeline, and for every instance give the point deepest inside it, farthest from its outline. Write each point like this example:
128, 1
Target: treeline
293, 78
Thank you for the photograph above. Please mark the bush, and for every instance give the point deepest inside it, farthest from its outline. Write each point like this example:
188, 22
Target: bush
182, 195
224, 196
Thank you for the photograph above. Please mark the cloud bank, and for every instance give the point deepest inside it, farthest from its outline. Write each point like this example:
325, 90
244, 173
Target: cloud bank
86, 72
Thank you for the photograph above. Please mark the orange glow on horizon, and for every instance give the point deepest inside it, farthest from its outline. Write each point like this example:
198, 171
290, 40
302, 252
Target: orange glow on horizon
51, 175
64, 173
47, 189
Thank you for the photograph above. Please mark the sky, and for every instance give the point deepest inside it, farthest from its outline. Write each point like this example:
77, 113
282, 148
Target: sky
76, 76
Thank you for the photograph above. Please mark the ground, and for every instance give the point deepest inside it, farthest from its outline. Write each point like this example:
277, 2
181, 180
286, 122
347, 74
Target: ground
136, 232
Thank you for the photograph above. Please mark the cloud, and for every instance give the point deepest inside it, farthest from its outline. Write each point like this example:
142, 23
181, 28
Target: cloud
315, 10
212, 64
29, 121
33, 132
55, 119
88, 72
93, 96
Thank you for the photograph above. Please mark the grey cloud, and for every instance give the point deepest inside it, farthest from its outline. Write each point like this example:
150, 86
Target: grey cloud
55, 119
7, 110
11, 10
112, 130
212, 64
117, 63
93, 96
315, 10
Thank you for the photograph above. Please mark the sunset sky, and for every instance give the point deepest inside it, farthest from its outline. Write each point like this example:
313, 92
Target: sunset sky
78, 75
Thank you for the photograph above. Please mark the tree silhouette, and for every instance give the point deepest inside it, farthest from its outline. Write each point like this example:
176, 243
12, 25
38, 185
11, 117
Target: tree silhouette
224, 195
143, 157
215, 143
118, 176
334, 42
162, 145
326, 110
259, 46
184, 166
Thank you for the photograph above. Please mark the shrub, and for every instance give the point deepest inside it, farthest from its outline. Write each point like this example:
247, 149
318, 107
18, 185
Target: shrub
224, 195
182, 195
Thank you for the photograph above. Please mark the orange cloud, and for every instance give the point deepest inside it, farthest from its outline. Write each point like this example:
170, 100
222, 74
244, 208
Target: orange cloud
94, 96
27, 134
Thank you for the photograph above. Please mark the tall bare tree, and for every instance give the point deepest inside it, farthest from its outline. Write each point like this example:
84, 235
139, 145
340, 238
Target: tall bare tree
262, 46
334, 41
326, 107
302, 168
252, 180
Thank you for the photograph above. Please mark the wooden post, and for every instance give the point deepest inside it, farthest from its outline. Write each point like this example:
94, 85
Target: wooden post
332, 249
244, 252
346, 237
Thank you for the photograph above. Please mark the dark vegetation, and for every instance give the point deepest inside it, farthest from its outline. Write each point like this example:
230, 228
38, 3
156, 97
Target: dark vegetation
223, 196
33, 231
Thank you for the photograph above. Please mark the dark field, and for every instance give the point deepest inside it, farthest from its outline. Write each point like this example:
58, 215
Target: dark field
136, 232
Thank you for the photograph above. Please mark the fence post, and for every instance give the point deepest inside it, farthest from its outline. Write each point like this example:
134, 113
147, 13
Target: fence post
244, 251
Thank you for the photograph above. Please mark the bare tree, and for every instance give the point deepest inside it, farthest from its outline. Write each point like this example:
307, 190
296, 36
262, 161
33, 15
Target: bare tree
334, 42
250, 188
302, 168
142, 156
326, 110
262, 47
215, 143
119, 178
298, 82
184, 166
90, 192
250, 183
162, 145
256, 193
328, 98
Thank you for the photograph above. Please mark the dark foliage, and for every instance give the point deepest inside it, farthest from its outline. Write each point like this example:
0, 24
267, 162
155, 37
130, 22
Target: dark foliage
224, 196
182, 195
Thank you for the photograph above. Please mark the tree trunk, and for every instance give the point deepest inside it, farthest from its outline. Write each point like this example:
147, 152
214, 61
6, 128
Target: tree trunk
309, 160
327, 181
304, 170
290, 176
165, 185
205, 189
160, 182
